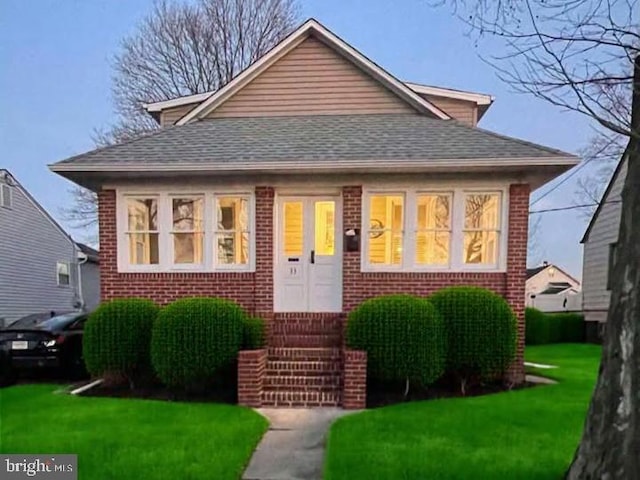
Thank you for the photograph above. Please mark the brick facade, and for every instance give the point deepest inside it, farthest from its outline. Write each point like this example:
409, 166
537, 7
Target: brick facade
253, 291
358, 286
313, 342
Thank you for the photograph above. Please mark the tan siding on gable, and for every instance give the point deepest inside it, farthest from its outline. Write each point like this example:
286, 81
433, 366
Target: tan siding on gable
462, 110
172, 115
311, 79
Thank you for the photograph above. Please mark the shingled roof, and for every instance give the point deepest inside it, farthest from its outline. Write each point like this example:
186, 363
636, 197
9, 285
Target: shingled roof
315, 141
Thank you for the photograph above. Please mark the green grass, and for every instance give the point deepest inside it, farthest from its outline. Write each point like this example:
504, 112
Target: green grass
525, 434
130, 439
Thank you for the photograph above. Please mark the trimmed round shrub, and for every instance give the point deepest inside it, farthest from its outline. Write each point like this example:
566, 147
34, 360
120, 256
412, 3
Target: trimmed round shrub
117, 338
403, 336
536, 326
253, 333
194, 339
481, 330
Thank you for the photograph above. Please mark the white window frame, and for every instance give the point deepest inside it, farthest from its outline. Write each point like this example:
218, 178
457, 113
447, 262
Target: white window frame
458, 194
450, 195
5, 189
366, 227
215, 232
68, 265
165, 226
171, 232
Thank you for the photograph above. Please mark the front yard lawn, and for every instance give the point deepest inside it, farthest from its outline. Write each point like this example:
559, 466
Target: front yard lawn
524, 434
130, 439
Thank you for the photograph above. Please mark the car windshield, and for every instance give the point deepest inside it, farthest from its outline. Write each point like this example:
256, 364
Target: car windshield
45, 321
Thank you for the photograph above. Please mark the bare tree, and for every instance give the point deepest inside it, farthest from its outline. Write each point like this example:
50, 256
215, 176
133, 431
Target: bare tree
183, 48
600, 158
584, 55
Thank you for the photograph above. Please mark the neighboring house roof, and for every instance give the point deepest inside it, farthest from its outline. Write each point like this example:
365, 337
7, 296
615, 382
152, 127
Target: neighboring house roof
532, 272
553, 288
91, 253
307, 143
7, 177
605, 195
312, 27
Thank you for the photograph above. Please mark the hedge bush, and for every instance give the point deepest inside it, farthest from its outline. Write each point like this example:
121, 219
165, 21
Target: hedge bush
117, 338
403, 336
253, 333
542, 328
481, 331
194, 339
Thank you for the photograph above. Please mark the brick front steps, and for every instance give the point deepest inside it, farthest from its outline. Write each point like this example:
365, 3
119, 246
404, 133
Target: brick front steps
304, 361
305, 365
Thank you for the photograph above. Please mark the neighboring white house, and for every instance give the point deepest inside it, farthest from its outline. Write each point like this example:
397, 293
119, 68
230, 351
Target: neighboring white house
599, 242
551, 289
40, 265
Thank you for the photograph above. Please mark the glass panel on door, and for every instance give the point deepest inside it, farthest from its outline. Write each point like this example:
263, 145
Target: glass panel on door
325, 232
293, 229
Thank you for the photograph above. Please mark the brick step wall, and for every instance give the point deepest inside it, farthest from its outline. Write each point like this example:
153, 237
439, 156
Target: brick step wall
303, 377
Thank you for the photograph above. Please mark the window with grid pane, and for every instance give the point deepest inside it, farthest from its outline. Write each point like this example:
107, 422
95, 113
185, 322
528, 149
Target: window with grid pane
142, 230
433, 229
187, 229
385, 234
232, 230
481, 228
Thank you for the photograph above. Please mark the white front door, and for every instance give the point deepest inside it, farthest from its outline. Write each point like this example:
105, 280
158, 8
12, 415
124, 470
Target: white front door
308, 264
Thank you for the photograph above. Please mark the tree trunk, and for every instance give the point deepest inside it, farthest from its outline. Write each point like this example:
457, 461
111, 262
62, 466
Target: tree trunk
610, 445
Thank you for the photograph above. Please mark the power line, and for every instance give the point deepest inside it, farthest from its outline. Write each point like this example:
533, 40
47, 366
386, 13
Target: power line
573, 172
572, 207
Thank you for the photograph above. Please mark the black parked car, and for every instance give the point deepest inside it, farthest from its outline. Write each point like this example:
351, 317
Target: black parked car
44, 340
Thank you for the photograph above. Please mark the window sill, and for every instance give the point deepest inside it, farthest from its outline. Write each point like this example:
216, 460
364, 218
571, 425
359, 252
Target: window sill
185, 270
491, 269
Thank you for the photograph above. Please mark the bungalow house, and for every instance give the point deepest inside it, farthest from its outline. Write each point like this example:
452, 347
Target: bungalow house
41, 268
599, 242
312, 181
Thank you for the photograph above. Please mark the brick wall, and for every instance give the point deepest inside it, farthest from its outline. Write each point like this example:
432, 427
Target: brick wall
252, 367
254, 291
359, 286
354, 394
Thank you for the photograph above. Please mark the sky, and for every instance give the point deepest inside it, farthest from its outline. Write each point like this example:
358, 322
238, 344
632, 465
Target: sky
55, 89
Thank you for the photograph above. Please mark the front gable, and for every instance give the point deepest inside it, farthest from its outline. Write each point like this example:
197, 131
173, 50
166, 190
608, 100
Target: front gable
314, 71
312, 79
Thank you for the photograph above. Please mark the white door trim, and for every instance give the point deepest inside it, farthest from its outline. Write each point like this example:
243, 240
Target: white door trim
280, 297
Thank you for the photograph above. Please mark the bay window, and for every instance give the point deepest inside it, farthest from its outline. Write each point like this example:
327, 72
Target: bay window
450, 230
197, 231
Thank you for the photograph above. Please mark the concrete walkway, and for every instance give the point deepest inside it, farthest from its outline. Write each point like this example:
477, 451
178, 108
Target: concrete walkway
293, 447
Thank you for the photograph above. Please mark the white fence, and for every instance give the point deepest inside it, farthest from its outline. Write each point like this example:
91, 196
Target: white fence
556, 303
